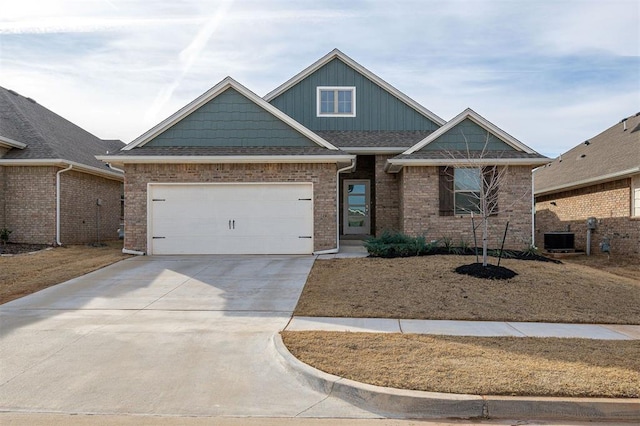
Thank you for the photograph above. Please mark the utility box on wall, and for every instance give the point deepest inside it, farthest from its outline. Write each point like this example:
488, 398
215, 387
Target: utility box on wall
592, 222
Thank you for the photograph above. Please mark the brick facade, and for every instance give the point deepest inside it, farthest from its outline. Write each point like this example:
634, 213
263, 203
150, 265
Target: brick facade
387, 207
29, 205
419, 209
82, 220
137, 176
609, 203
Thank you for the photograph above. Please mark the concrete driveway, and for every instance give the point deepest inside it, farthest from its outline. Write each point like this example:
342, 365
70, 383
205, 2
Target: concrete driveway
161, 335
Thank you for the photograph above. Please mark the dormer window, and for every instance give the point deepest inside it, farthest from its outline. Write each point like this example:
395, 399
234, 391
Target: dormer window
336, 101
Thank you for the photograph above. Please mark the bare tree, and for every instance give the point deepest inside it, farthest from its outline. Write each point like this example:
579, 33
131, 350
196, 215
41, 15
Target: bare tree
476, 191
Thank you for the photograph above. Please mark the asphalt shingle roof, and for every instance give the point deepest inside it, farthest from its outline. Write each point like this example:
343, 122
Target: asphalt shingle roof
373, 139
439, 155
47, 135
226, 151
612, 151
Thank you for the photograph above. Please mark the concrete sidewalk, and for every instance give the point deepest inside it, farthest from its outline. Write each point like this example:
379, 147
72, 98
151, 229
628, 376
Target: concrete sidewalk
467, 328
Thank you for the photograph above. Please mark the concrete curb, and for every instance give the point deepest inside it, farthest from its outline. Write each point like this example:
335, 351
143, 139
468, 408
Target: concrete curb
400, 403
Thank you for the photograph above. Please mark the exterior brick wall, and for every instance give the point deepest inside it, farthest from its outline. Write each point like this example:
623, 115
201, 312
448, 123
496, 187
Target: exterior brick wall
3, 181
30, 204
79, 209
609, 203
419, 209
387, 202
323, 177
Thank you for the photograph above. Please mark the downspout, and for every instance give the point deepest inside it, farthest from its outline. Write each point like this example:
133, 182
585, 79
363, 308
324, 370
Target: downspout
337, 249
58, 202
533, 208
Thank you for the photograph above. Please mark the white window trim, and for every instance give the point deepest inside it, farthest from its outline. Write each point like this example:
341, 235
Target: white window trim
462, 212
345, 88
635, 186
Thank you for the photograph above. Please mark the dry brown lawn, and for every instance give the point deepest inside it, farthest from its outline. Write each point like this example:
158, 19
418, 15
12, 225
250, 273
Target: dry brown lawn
428, 288
623, 266
475, 365
24, 274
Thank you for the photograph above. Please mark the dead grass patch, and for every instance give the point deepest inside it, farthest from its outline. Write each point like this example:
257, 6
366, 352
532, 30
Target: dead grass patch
428, 288
24, 274
475, 365
624, 266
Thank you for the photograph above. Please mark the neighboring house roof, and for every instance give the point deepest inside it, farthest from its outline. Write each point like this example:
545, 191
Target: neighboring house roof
611, 155
373, 141
219, 90
486, 143
38, 136
337, 54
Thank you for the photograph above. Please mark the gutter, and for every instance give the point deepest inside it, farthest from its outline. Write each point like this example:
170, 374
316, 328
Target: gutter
222, 159
589, 181
59, 162
58, 173
337, 249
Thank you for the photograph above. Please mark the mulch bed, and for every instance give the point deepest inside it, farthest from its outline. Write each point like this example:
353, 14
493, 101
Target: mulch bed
491, 272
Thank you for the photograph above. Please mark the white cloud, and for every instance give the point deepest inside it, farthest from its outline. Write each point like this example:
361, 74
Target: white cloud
546, 71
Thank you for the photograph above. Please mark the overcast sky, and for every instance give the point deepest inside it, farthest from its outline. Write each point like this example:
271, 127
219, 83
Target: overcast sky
550, 73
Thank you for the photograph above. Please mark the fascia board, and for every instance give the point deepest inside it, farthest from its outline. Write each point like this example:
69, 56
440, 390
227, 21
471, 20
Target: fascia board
362, 70
372, 150
467, 161
212, 93
63, 163
10, 143
223, 159
587, 182
479, 120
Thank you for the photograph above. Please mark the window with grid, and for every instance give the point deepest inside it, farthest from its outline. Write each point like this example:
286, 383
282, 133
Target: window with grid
466, 187
336, 101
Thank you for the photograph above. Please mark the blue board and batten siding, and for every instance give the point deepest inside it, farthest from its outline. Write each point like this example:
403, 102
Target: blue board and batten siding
376, 108
230, 120
468, 135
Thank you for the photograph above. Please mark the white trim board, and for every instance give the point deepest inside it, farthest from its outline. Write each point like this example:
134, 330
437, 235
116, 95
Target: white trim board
480, 121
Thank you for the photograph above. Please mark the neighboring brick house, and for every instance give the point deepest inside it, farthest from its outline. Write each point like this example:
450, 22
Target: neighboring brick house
599, 178
50, 180
334, 152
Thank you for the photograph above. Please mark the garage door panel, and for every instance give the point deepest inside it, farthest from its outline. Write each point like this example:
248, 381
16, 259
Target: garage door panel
231, 219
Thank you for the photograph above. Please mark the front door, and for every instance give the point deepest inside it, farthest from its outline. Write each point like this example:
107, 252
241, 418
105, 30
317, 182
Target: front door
356, 206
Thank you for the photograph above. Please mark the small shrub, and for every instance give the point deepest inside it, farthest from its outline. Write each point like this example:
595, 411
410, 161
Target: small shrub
395, 245
4, 235
530, 251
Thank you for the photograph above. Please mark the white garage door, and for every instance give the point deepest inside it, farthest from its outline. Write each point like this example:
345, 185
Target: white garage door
273, 218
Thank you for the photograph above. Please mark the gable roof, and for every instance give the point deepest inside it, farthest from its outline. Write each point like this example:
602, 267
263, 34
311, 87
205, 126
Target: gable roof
214, 92
38, 136
337, 54
469, 114
611, 155
511, 151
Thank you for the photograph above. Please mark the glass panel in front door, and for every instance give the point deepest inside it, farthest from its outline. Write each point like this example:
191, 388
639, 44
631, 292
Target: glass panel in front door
356, 205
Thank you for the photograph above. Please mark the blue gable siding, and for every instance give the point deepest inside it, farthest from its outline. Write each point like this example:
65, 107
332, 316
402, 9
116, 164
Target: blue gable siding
230, 119
467, 132
376, 109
